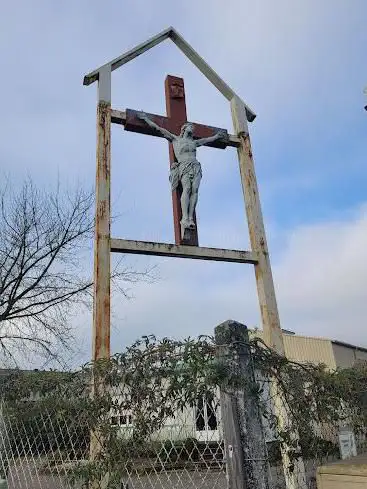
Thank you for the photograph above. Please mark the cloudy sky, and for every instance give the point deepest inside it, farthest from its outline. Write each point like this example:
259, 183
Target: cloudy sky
301, 65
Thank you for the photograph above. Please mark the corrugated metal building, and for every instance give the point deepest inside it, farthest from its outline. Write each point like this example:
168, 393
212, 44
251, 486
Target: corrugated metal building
334, 354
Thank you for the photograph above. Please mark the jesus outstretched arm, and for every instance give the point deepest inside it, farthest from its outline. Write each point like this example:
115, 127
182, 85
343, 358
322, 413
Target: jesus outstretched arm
168, 135
219, 135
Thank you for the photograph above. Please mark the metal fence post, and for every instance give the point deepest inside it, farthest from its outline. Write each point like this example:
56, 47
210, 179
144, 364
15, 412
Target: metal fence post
246, 454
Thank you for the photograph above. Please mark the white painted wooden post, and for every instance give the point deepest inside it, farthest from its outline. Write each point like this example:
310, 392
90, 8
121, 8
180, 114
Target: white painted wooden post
264, 280
101, 298
101, 310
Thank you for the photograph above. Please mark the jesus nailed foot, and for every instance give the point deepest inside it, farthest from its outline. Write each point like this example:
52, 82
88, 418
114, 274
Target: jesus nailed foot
188, 224
191, 224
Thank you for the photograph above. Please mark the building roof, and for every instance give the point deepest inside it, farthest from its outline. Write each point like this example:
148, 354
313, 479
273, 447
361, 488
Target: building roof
349, 345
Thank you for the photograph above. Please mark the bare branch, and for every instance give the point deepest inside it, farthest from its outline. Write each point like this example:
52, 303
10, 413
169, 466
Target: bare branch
44, 270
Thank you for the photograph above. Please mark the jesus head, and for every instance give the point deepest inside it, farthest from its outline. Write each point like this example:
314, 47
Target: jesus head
187, 130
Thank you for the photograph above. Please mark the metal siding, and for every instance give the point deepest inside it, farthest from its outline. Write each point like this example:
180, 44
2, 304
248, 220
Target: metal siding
361, 355
344, 357
306, 349
313, 350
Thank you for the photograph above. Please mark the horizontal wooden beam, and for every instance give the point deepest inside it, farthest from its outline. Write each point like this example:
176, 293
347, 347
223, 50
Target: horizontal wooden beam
120, 117
182, 251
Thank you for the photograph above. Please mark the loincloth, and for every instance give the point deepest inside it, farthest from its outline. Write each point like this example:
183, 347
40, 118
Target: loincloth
191, 169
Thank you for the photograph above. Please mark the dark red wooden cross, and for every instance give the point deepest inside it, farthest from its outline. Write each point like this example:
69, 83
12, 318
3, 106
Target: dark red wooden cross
176, 117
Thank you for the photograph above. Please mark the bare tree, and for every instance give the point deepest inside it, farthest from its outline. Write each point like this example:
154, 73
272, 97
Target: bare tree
44, 272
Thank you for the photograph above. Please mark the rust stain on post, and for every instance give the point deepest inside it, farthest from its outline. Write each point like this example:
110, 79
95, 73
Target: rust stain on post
101, 310
101, 296
264, 279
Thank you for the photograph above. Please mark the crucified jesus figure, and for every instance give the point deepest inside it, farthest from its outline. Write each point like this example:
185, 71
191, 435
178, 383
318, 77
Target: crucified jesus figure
187, 169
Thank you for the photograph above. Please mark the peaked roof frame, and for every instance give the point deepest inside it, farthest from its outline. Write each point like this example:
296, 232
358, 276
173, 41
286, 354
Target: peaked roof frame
189, 52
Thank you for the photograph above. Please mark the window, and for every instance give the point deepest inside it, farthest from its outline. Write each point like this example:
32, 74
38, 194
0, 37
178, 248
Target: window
206, 418
121, 420
125, 420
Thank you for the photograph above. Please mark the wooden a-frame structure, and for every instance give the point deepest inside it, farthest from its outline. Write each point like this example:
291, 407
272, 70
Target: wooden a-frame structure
258, 256
104, 244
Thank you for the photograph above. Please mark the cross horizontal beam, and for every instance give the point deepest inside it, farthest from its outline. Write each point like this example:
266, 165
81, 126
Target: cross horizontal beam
122, 117
182, 251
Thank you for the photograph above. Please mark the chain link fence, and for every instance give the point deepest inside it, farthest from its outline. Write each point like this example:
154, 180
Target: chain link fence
152, 418
51, 446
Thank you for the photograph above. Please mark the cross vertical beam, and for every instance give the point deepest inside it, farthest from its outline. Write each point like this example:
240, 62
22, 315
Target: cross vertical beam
176, 111
101, 298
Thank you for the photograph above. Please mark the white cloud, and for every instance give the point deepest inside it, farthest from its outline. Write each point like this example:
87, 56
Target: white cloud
321, 279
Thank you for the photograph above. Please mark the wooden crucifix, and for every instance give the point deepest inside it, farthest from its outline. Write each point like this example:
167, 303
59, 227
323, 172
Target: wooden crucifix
185, 171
